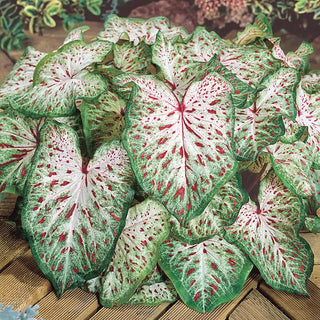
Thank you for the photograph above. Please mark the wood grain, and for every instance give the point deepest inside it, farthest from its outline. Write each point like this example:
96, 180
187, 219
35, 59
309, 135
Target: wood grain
179, 311
11, 245
7, 206
314, 241
297, 307
22, 283
315, 276
127, 312
256, 306
75, 304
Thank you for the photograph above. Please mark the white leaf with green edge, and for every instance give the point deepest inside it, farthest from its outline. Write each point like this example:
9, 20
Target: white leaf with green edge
179, 71
313, 203
74, 211
292, 164
311, 82
103, 119
308, 115
249, 64
300, 58
293, 131
76, 34
261, 124
174, 158
206, 274
154, 294
19, 136
20, 78
132, 59
221, 211
136, 30
62, 77
135, 254
279, 54
154, 276
268, 233
313, 224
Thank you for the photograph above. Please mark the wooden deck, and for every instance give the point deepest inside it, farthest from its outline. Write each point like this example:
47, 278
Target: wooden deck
23, 284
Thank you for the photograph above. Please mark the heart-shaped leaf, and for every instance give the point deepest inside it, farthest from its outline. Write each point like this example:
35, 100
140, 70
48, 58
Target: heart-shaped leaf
76, 34
293, 131
136, 30
103, 119
249, 64
292, 164
174, 158
261, 124
74, 212
221, 211
268, 233
136, 252
61, 78
308, 113
20, 78
19, 136
179, 71
132, 59
205, 274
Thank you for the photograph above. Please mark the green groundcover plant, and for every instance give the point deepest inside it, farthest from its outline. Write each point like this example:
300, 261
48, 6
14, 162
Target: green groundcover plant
156, 164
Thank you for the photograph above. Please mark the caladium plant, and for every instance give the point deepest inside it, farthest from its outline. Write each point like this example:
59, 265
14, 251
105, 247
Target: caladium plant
156, 164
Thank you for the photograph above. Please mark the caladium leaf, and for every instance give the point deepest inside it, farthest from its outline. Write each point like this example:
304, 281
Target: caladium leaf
20, 78
310, 83
261, 124
221, 211
62, 77
179, 71
292, 164
313, 203
268, 233
205, 274
135, 254
154, 294
132, 59
293, 131
103, 119
136, 30
308, 115
19, 136
74, 212
173, 157
249, 64
313, 224
300, 58
76, 34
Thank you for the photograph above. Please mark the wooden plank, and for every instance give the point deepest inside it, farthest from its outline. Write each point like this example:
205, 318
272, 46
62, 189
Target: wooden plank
314, 241
179, 311
22, 283
7, 206
256, 306
75, 304
297, 307
11, 245
315, 276
127, 312
5, 65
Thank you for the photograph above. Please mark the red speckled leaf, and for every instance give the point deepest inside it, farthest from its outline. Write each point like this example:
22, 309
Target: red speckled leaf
293, 131
19, 136
250, 64
136, 30
20, 78
308, 109
74, 212
206, 274
103, 119
261, 124
132, 59
76, 34
221, 211
61, 78
268, 233
174, 158
292, 164
136, 252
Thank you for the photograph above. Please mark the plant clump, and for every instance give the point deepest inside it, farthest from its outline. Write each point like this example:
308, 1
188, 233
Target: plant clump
156, 164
